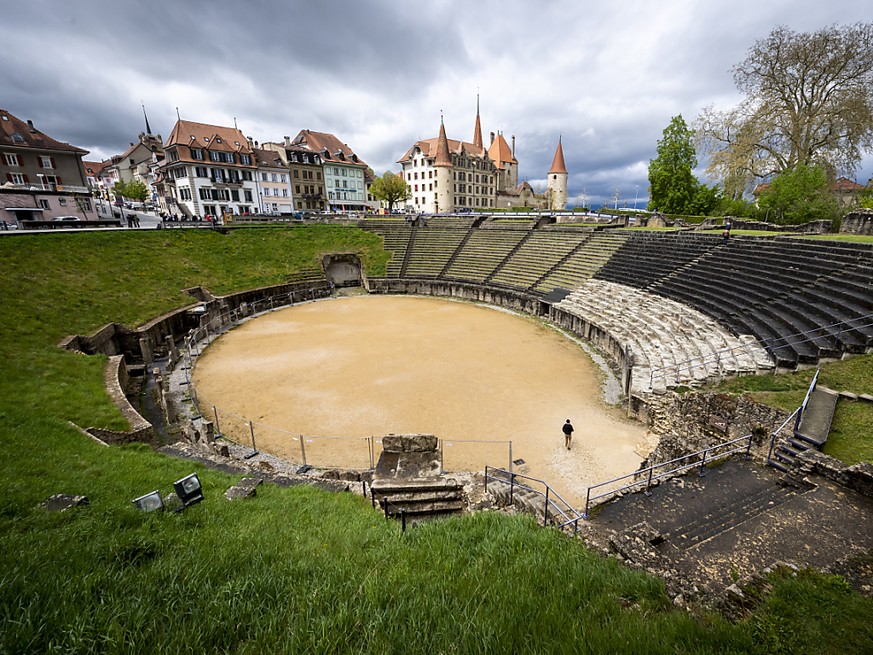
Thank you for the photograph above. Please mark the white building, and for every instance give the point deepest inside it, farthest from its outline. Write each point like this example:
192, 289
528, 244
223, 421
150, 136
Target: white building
273, 182
208, 170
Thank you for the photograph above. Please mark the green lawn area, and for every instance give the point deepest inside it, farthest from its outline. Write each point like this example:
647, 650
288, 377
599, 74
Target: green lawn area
851, 438
293, 570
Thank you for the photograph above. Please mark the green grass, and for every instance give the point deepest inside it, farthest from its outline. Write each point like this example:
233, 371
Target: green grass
851, 437
293, 570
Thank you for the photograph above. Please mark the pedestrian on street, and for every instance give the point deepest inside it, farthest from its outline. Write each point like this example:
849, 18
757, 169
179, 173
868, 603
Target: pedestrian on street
568, 433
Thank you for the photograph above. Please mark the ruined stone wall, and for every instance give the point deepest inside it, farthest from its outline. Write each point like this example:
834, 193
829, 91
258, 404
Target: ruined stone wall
697, 420
858, 222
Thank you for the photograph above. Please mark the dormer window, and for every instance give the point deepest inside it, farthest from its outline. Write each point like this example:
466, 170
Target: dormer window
218, 139
17, 138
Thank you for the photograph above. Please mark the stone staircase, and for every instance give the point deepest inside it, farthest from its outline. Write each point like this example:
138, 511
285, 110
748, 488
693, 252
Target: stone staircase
722, 519
812, 432
419, 500
506, 493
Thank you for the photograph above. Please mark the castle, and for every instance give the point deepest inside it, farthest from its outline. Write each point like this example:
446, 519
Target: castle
445, 175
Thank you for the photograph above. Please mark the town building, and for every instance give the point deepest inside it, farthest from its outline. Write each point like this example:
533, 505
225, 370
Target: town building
344, 171
40, 178
273, 183
138, 163
307, 177
208, 171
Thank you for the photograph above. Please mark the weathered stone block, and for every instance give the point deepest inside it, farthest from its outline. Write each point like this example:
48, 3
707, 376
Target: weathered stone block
410, 443
62, 502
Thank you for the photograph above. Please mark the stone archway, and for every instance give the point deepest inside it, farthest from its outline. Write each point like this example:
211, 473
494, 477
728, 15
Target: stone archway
343, 270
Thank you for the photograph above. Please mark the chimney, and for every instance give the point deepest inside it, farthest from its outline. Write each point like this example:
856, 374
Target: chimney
492, 137
251, 143
131, 144
513, 145
287, 141
30, 125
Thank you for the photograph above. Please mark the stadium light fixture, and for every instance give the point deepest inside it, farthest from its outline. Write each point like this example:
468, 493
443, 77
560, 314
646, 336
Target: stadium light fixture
189, 490
150, 502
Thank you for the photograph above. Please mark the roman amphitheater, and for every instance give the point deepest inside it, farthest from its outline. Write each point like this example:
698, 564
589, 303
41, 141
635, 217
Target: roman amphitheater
488, 334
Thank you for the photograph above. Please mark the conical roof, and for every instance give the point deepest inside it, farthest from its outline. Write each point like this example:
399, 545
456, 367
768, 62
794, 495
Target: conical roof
442, 153
558, 165
477, 130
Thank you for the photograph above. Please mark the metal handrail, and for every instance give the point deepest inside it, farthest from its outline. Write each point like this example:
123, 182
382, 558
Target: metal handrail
776, 432
650, 470
548, 492
773, 342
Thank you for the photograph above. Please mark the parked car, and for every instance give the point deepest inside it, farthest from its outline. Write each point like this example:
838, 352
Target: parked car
66, 218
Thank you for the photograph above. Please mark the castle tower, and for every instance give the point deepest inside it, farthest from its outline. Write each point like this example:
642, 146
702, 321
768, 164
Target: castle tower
557, 183
443, 185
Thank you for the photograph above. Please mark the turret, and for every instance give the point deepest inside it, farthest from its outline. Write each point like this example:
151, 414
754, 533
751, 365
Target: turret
557, 183
443, 185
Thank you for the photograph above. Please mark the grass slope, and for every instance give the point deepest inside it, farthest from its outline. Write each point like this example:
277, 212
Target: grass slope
294, 570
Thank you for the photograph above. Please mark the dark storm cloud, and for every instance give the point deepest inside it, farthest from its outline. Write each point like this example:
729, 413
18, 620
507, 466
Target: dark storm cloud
606, 77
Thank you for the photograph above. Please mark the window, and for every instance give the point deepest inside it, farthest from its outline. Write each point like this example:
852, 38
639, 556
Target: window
247, 195
285, 192
283, 177
275, 178
201, 171
173, 155
17, 178
184, 193
246, 175
263, 177
197, 153
11, 160
229, 158
215, 156
43, 203
46, 162
297, 189
234, 195
245, 159
296, 174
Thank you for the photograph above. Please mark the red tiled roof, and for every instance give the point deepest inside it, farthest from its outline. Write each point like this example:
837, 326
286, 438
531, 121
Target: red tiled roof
501, 153
16, 133
558, 165
208, 137
324, 142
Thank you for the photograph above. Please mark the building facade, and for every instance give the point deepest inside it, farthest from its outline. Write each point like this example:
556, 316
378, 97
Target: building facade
344, 172
138, 163
208, 171
307, 176
273, 182
40, 178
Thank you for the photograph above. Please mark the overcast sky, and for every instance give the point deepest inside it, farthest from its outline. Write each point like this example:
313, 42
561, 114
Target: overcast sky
605, 76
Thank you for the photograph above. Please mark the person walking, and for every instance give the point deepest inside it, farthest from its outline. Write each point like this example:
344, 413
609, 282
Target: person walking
568, 433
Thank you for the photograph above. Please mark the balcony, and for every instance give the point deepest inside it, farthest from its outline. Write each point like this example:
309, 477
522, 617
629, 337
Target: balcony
50, 188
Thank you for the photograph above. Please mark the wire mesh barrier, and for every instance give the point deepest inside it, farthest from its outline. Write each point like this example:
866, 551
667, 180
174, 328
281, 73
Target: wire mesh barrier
473, 455
323, 451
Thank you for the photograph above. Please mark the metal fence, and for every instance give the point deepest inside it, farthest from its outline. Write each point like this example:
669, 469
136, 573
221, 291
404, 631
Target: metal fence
324, 451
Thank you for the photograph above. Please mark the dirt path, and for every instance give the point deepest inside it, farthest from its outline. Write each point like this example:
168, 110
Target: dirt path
373, 365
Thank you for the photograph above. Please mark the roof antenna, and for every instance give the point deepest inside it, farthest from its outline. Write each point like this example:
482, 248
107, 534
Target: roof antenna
178, 118
234, 123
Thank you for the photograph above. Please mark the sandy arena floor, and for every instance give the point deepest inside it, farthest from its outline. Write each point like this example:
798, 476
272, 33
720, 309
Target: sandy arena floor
372, 365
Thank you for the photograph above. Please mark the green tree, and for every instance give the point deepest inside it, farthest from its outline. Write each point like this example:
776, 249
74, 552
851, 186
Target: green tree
133, 190
389, 188
808, 100
799, 195
672, 185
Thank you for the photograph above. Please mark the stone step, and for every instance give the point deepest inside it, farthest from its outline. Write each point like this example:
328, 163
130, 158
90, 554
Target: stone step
722, 519
425, 508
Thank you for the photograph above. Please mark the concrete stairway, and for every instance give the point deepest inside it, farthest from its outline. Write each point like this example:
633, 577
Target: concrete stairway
419, 499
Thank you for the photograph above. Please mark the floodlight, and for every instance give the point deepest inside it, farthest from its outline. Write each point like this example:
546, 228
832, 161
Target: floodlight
150, 502
189, 490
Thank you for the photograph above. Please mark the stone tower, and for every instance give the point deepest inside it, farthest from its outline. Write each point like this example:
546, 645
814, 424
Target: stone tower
556, 188
444, 184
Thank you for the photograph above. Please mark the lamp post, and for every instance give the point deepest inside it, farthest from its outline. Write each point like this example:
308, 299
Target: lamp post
636, 196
